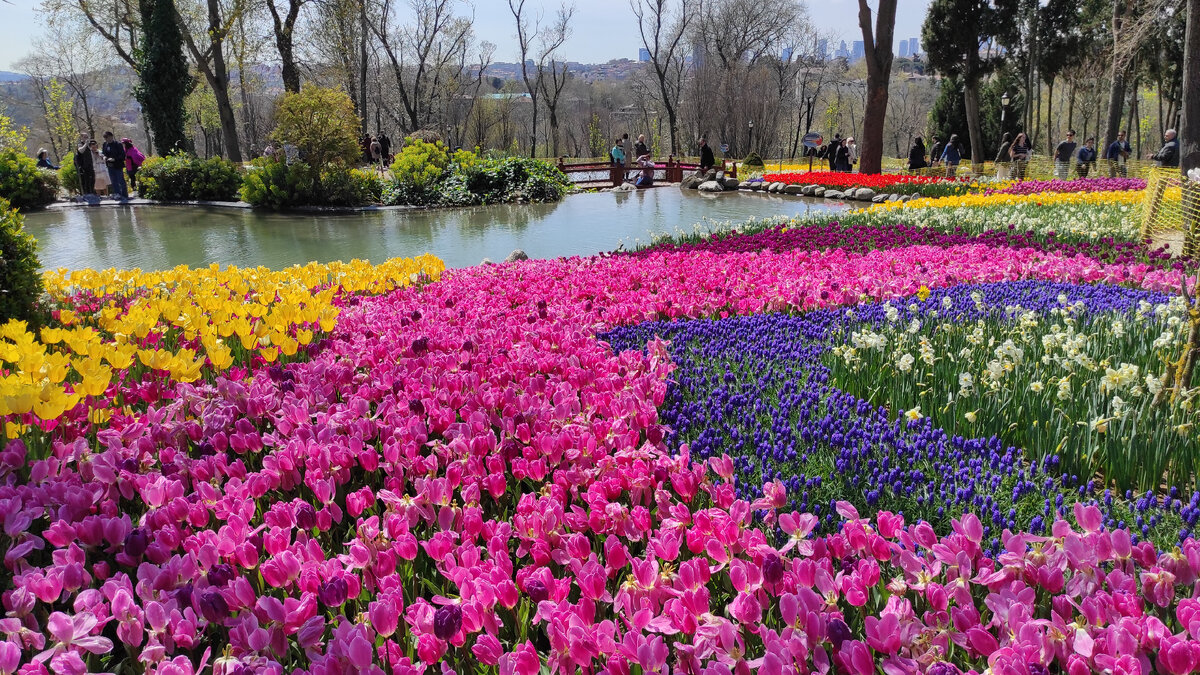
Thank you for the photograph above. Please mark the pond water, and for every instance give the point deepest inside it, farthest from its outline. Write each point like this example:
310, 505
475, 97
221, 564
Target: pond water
161, 237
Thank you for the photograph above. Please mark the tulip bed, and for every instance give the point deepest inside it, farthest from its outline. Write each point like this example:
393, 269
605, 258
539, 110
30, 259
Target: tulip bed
615, 464
927, 186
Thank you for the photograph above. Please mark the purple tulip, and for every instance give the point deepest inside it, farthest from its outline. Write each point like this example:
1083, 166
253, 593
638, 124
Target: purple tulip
136, 543
332, 593
536, 590
772, 568
221, 574
447, 621
306, 516
213, 606
839, 632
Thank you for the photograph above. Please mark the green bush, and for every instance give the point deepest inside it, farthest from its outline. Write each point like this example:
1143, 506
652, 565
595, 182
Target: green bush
416, 173
468, 180
277, 185
20, 276
68, 177
183, 177
23, 184
753, 162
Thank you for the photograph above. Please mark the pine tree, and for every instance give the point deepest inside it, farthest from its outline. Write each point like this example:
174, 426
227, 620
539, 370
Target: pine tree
165, 78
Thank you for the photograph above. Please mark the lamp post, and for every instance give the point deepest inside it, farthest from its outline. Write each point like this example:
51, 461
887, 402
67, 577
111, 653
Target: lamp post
1005, 99
751, 141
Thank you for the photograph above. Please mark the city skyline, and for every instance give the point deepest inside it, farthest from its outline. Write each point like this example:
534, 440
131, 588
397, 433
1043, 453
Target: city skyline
611, 32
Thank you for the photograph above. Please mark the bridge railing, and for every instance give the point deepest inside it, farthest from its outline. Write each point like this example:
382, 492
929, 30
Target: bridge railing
601, 173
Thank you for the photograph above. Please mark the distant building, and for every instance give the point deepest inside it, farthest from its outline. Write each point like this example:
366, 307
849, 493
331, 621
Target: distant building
914, 46
842, 52
787, 54
643, 55
904, 49
858, 52
822, 49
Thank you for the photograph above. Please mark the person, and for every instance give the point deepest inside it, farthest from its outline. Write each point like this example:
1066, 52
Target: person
269, 151
83, 166
1002, 157
291, 154
1117, 154
377, 154
364, 144
616, 157
133, 161
385, 146
852, 152
44, 160
1086, 159
1019, 152
640, 147
707, 161
1062, 156
831, 151
114, 162
627, 148
842, 158
935, 151
646, 178
1168, 154
99, 168
916, 155
952, 155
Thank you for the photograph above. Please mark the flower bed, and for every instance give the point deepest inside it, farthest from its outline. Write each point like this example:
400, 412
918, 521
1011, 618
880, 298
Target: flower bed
1030, 187
463, 477
929, 186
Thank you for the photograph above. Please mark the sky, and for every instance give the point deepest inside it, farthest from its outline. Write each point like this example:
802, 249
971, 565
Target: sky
603, 29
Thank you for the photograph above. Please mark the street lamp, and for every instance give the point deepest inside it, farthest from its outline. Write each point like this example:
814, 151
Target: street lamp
1005, 99
751, 141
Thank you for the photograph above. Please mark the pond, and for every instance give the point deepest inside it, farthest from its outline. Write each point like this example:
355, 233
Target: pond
161, 237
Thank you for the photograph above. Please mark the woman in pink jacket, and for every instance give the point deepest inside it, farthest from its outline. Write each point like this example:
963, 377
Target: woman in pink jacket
133, 161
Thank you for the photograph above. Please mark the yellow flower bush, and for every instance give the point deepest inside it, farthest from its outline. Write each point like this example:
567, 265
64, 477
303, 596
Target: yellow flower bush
178, 325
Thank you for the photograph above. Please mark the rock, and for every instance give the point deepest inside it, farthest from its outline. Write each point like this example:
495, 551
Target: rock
893, 197
625, 187
688, 183
731, 183
916, 195
818, 191
834, 194
711, 186
516, 256
793, 189
808, 190
865, 194
849, 194
485, 262
904, 198
879, 199
756, 185
778, 187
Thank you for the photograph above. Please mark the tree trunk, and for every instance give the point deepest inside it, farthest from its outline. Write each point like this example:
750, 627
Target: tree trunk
877, 49
284, 27
974, 129
1116, 93
1050, 116
362, 65
1189, 132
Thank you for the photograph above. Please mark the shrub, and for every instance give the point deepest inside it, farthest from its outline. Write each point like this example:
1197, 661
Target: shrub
753, 162
23, 184
321, 123
416, 173
277, 185
183, 177
20, 275
68, 177
469, 180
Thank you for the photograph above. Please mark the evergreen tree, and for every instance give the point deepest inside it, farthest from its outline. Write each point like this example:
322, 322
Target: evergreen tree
165, 78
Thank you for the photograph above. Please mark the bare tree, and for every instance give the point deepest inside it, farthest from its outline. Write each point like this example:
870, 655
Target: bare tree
285, 26
77, 59
533, 38
552, 73
663, 32
210, 60
877, 48
118, 22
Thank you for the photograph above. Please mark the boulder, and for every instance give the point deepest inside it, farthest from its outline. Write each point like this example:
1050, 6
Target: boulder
916, 195
689, 183
893, 197
778, 187
756, 185
865, 194
818, 191
879, 199
625, 187
850, 194
793, 189
834, 194
731, 183
485, 262
516, 256
808, 190
711, 186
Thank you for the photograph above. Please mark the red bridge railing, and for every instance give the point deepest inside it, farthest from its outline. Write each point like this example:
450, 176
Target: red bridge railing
597, 174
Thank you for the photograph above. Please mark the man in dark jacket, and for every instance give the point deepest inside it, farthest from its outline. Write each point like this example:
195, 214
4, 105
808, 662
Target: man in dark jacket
707, 161
935, 151
84, 167
1168, 155
114, 161
1117, 154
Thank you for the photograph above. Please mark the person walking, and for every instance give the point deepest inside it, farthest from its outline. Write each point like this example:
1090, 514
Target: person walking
916, 155
364, 145
377, 154
640, 148
831, 151
1019, 152
952, 155
83, 166
1002, 157
1062, 156
133, 161
852, 153
99, 168
842, 158
1117, 155
44, 162
1168, 155
616, 157
1086, 158
935, 151
385, 146
114, 162
707, 161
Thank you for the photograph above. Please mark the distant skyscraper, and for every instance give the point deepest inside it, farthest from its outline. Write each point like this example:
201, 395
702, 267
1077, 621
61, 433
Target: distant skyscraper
914, 46
842, 52
858, 51
643, 55
904, 49
822, 49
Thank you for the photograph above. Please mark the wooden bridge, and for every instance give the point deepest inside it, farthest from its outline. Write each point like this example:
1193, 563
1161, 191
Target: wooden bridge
596, 174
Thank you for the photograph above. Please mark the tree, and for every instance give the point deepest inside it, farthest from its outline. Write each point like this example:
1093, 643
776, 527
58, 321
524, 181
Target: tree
877, 50
284, 26
1189, 138
211, 62
59, 111
662, 31
545, 42
165, 80
1058, 46
954, 33
321, 123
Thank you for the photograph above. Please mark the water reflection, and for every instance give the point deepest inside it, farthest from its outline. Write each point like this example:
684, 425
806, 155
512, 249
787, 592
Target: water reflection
160, 237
